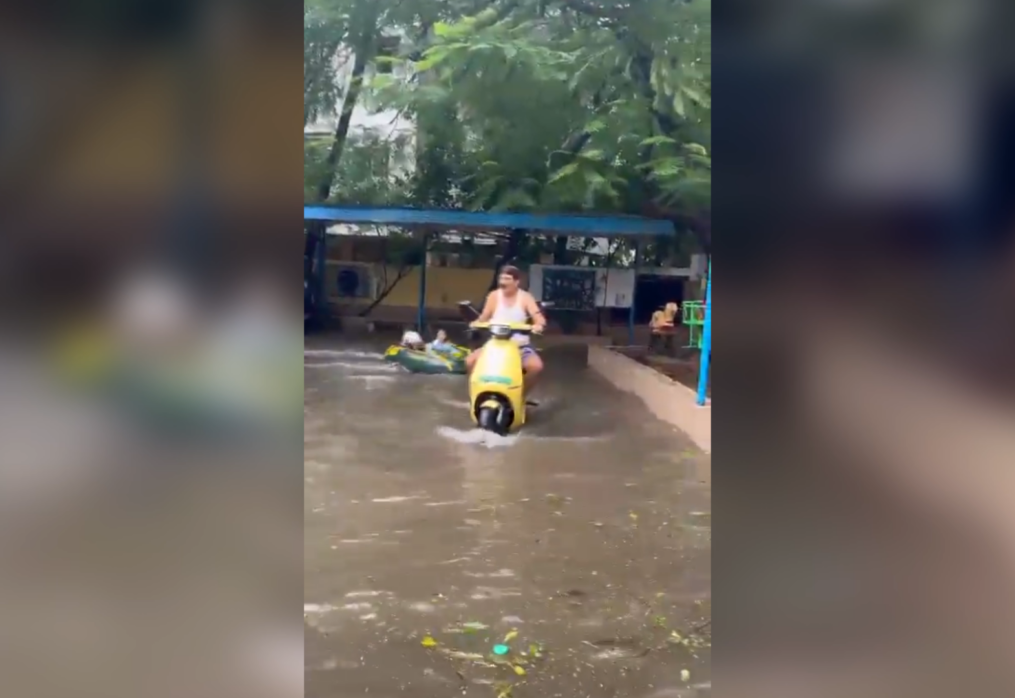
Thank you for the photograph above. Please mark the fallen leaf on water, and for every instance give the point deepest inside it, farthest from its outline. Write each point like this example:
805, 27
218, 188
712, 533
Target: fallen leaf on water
510, 636
428, 642
519, 670
471, 656
685, 675
634, 517
475, 627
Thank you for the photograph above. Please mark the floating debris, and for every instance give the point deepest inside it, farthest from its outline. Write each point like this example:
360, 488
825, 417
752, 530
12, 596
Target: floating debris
501, 650
428, 642
685, 675
519, 670
510, 636
468, 656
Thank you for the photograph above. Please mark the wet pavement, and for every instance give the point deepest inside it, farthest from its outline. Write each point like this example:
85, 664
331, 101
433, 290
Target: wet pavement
427, 543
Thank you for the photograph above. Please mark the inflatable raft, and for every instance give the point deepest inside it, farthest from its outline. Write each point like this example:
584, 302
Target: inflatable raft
450, 361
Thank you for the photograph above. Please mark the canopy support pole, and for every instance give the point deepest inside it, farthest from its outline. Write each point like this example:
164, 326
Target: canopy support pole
634, 293
706, 341
421, 311
320, 279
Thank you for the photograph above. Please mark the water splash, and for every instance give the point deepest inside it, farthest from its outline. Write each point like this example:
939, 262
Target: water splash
336, 353
477, 437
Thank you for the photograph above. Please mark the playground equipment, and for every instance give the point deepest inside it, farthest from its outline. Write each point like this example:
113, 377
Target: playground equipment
693, 317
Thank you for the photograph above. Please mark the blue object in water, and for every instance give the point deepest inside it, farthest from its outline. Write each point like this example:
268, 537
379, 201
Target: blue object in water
500, 649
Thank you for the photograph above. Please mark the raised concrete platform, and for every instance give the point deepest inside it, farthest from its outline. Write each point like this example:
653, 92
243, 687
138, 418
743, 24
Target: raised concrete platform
665, 398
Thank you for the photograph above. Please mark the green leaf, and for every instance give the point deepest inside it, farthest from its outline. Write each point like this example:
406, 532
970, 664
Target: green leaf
443, 30
432, 58
678, 105
657, 140
695, 96
564, 172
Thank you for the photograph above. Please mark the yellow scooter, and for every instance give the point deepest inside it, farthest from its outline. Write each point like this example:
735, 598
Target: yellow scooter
496, 398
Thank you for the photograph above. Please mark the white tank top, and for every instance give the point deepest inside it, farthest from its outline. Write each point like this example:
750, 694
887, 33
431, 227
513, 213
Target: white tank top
511, 314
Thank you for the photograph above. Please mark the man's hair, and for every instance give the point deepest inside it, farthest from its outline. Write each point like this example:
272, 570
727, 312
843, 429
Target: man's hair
514, 272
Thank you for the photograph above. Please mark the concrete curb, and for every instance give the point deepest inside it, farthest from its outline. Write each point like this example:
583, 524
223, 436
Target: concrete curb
668, 400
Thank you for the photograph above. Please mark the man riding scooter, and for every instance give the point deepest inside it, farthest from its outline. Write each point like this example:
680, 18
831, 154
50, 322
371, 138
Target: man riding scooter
509, 304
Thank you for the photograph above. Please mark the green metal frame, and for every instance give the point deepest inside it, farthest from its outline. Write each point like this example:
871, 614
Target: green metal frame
692, 315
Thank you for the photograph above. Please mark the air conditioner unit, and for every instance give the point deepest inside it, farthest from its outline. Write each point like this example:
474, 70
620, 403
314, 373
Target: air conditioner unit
354, 281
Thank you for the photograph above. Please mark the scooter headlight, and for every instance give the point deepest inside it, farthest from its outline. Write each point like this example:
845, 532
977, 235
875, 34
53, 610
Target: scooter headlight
500, 331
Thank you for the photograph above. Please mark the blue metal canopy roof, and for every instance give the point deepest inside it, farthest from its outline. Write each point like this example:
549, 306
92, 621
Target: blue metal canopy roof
565, 224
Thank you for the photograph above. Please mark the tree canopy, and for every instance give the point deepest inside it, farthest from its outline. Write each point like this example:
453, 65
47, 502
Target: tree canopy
549, 105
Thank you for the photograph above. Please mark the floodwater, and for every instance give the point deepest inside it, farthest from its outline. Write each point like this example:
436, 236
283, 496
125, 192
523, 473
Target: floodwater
427, 543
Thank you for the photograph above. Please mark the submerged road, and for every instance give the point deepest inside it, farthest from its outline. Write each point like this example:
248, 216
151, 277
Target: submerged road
428, 543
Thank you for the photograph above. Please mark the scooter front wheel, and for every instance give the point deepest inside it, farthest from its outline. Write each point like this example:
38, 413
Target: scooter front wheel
494, 420
487, 418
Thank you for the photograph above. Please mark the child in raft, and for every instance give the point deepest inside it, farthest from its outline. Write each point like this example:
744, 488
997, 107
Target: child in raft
440, 344
412, 340
438, 347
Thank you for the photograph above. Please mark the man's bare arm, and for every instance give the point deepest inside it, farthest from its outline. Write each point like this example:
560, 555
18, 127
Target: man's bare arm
488, 309
535, 313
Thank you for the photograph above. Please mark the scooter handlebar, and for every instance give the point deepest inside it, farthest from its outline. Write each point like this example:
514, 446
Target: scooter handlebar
521, 328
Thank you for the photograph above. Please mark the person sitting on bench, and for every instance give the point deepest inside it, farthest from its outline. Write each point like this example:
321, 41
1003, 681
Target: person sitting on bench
662, 326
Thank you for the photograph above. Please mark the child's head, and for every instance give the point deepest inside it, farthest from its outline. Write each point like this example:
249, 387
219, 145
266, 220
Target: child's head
442, 336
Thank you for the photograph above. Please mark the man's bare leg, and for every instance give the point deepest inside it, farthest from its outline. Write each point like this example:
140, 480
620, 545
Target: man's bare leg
533, 366
470, 361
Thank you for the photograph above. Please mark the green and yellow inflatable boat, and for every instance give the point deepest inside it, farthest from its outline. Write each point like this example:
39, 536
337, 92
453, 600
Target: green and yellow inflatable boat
450, 360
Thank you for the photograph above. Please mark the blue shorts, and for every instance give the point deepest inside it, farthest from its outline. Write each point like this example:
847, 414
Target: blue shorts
527, 351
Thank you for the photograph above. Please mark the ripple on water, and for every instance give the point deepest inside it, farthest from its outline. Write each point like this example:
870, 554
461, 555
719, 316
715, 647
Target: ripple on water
357, 367
371, 381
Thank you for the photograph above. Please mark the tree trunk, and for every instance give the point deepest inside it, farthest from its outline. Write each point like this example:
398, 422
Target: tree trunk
315, 73
359, 66
364, 47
